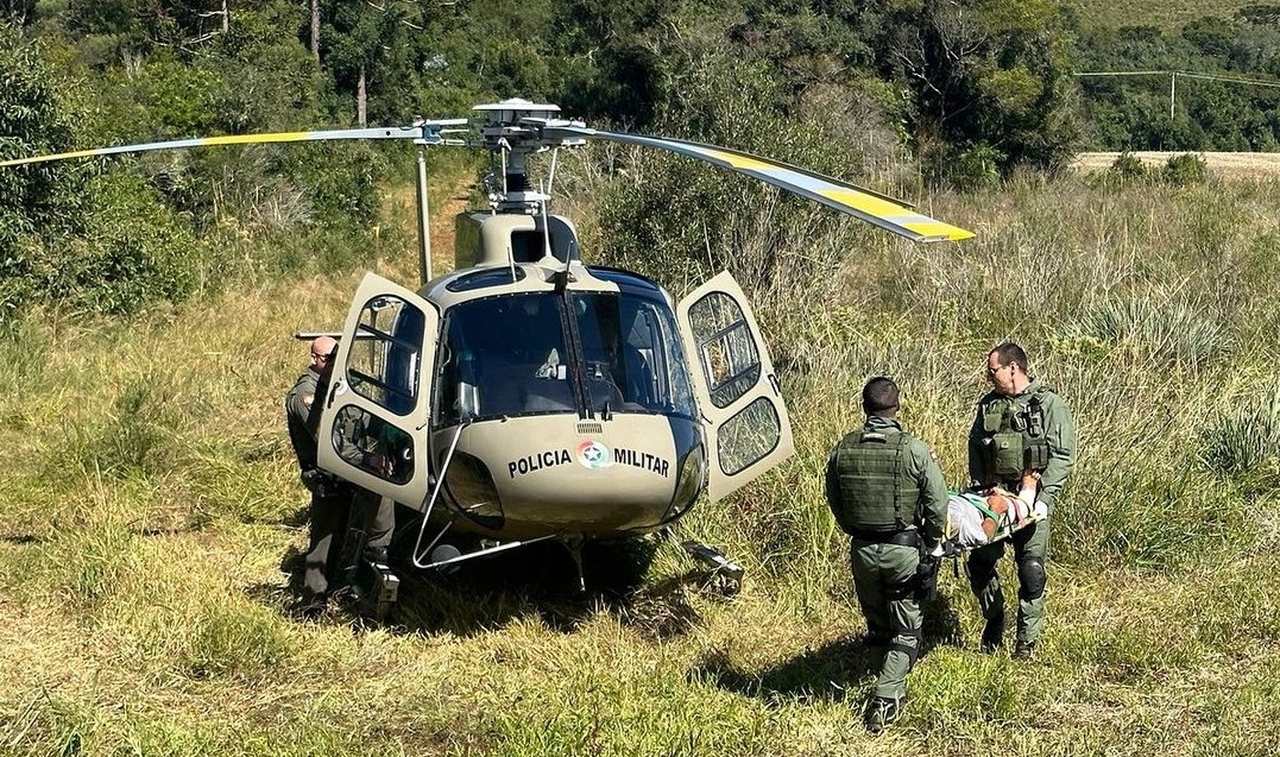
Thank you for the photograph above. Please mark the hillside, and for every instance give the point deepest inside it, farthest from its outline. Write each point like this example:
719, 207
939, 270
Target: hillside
1167, 15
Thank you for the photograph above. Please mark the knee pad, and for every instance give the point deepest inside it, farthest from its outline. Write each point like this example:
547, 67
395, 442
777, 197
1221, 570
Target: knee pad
912, 651
1031, 578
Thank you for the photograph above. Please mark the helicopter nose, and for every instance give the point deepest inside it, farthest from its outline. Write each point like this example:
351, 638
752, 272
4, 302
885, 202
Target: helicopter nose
534, 476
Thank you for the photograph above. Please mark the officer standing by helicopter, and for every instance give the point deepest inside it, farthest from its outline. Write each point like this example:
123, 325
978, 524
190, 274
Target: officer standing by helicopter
1020, 426
328, 501
889, 495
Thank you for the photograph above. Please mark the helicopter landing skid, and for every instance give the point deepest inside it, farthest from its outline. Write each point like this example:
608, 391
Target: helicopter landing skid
726, 573
484, 551
574, 545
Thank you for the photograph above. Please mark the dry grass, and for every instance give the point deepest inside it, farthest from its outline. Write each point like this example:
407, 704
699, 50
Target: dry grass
1227, 165
150, 499
1167, 15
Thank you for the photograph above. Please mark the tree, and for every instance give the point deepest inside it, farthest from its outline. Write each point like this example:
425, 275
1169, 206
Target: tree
315, 29
367, 42
993, 72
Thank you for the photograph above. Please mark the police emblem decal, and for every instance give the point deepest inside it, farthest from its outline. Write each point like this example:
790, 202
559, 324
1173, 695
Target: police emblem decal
593, 455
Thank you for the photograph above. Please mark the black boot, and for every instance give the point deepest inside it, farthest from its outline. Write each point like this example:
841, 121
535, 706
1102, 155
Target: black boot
1025, 650
881, 713
993, 634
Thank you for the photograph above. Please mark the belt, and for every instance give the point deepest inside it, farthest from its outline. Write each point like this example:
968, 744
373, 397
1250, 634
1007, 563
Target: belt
908, 537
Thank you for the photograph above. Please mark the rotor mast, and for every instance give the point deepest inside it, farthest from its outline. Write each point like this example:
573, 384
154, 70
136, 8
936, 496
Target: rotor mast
506, 132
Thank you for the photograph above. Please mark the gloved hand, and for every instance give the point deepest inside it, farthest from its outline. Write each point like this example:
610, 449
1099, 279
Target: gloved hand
950, 549
927, 577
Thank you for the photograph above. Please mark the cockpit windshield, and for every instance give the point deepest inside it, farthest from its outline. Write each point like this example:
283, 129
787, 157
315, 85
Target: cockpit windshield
508, 356
631, 355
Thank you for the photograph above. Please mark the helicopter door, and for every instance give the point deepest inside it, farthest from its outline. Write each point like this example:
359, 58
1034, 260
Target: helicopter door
373, 428
748, 431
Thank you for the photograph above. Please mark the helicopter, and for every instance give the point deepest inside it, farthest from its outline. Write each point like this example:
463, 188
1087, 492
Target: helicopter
528, 396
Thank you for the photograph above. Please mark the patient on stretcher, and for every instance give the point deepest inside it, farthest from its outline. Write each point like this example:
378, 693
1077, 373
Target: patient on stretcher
981, 517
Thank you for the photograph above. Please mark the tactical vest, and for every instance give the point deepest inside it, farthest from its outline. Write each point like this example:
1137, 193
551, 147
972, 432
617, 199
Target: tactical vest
1014, 439
876, 492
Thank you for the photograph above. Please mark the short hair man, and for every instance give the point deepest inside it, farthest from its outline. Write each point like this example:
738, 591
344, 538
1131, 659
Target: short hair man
888, 494
329, 500
348, 523
1020, 426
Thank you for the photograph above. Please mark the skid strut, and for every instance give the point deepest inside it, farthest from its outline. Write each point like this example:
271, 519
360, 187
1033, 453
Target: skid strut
722, 568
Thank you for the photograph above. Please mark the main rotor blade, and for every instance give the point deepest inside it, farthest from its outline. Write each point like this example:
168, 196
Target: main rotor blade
877, 209
428, 133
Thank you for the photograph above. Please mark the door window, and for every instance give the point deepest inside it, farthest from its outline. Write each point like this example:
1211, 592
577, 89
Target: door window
383, 363
726, 347
373, 445
751, 434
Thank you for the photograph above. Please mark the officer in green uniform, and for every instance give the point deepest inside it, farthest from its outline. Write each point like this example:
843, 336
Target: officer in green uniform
1021, 425
348, 523
888, 494
329, 498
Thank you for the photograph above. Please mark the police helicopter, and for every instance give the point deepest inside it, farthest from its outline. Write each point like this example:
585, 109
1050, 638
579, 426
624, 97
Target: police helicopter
529, 396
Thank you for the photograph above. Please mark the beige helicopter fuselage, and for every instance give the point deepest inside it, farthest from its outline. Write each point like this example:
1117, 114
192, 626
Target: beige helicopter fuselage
551, 398
551, 471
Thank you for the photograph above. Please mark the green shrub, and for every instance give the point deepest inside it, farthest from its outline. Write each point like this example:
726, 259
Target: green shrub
1127, 169
1245, 443
1185, 170
975, 167
1168, 331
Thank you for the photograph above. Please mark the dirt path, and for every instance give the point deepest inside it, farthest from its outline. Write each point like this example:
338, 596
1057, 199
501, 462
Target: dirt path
1251, 165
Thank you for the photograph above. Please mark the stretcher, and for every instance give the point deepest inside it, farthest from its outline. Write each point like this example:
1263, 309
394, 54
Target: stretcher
969, 512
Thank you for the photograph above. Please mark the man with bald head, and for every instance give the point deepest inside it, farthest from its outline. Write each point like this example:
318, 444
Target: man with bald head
329, 502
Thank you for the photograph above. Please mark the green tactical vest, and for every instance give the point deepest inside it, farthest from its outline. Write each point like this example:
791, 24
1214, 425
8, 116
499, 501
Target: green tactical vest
876, 493
1013, 440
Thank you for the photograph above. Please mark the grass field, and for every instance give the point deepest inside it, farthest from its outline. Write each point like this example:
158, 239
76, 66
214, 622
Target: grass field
1168, 15
1227, 165
150, 499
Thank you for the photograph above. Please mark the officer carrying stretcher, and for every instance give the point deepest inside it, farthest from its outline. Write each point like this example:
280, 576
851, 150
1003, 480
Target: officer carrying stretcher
1021, 426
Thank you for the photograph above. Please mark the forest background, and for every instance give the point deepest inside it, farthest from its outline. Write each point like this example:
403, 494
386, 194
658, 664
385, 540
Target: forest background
956, 93
149, 493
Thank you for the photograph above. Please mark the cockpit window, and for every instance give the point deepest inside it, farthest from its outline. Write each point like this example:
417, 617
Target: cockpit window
507, 356
482, 279
504, 355
631, 355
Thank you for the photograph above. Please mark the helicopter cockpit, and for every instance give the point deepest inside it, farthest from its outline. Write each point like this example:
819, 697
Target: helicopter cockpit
511, 356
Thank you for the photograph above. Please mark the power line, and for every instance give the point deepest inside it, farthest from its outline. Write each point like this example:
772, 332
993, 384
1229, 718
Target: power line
1173, 80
